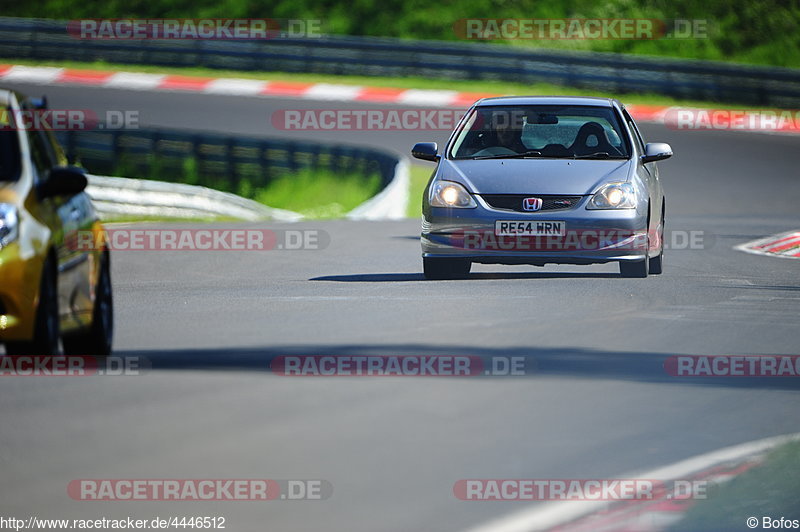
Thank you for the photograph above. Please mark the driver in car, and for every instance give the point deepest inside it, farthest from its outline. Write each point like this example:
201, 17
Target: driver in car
505, 131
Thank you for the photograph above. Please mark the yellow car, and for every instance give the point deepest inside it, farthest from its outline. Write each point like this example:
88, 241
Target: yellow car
50, 288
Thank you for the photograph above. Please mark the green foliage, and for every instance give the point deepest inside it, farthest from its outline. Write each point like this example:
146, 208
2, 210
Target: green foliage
753, 31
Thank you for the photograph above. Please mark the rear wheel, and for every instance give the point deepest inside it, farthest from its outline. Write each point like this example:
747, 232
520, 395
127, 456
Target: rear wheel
46, 326
445, 268
97, 340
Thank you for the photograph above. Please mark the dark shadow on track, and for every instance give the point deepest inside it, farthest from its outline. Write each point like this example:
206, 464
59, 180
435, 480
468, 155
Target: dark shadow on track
478, 276
538, 362
780, 288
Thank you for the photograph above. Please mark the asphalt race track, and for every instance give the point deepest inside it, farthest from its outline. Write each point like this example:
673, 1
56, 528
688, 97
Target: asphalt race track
597, 403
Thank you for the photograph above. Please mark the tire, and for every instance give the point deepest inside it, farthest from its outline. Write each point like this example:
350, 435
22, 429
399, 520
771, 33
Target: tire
636, 268
445, 268
97, 340
46, 326
657, 263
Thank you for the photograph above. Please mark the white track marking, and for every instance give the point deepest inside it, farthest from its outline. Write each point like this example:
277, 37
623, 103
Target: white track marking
553, 514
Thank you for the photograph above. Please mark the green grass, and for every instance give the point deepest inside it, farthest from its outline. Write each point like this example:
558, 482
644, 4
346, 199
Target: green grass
771, 489
480, 86
319, 194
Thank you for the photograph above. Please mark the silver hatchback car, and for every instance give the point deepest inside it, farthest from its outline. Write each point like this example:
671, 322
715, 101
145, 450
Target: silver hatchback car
538, 180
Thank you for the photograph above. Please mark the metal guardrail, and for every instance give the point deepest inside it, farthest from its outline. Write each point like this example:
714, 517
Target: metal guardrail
216, 161
767, 86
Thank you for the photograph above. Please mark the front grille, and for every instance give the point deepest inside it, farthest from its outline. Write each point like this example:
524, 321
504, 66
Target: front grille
513, 202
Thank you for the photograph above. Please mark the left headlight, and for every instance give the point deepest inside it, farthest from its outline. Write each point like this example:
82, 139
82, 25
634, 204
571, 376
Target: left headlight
450, 194
9, 224
614, 196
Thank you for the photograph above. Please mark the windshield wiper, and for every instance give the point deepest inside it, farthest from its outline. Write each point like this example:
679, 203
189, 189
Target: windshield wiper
531, 153
599, 155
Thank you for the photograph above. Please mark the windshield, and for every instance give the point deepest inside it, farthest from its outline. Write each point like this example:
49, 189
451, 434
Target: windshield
541, 131
9, 148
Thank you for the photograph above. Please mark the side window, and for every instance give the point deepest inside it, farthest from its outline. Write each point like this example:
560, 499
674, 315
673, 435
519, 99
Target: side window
39, 154
57, 152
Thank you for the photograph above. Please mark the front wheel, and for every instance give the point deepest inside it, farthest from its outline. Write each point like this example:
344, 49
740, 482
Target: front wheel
445, 268
634, 268
657, 262
96, 341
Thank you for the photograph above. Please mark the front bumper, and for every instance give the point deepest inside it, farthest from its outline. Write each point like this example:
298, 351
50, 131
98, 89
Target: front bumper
591, 236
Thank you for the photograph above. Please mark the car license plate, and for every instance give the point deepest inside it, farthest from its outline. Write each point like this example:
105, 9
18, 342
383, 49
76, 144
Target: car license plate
529, 228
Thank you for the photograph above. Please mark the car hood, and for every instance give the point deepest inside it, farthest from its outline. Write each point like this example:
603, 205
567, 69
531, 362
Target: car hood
534, 176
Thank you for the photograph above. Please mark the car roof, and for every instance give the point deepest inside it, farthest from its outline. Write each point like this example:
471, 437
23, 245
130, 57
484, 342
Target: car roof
549, 100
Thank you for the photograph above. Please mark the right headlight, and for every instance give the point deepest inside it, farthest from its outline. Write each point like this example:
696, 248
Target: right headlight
9, 224
450, 194
614, 196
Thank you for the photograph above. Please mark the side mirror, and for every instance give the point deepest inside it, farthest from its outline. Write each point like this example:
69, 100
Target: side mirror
63, 181
427, 151
656, 151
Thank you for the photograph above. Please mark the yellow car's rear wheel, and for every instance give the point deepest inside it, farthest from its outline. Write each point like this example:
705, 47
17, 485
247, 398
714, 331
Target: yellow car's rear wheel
96, 341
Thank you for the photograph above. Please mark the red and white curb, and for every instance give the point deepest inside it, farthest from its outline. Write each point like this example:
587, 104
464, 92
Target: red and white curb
236, 87
640, 515
764, 121
256, 88
784, 245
